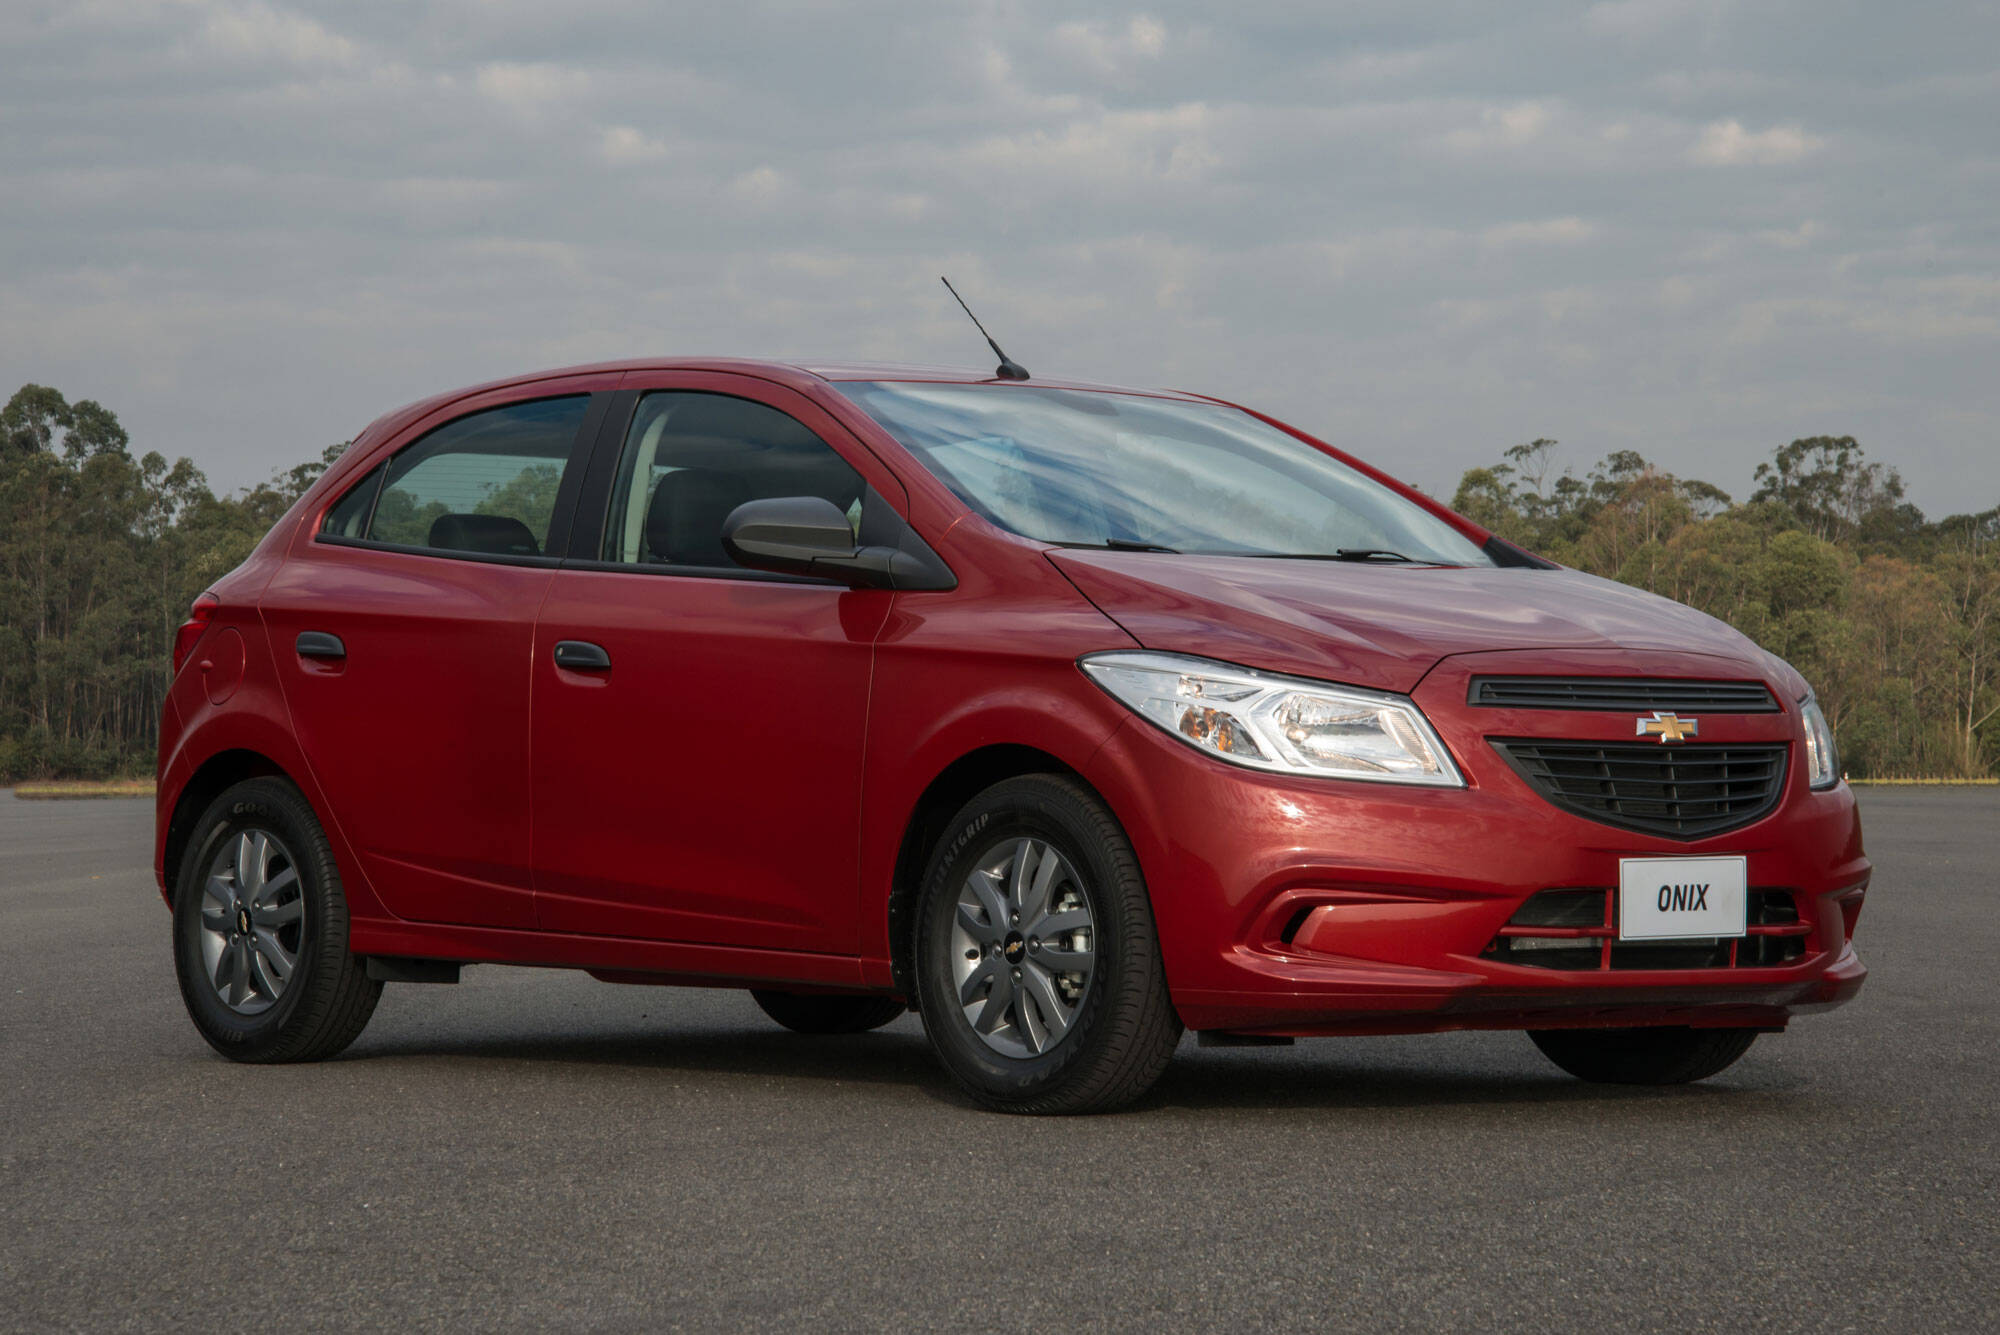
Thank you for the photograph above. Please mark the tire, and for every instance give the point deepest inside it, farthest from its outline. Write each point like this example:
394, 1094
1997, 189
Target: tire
1118, 1027
804, 1013
1670, 1056
261, 834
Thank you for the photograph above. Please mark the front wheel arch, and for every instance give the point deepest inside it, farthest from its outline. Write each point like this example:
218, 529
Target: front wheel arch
954, 786
1093, 1050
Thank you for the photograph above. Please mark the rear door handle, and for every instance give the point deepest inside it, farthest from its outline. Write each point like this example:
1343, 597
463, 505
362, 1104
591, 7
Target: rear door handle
319, 644
582, 656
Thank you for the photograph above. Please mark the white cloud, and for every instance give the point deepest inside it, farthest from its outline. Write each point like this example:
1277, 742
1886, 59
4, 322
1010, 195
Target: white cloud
760, 186
1793, 238
1898, 315
624, 146
1728, 144
1566, 231
258, 32
1678, 292
1509, 126
529, 87
1382, 67
445, 201
1111, 50
1170, 144
1648, 18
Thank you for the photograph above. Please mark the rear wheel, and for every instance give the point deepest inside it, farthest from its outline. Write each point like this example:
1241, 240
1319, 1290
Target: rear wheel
1670, 1056
260, 931
827, 1014
1038, 970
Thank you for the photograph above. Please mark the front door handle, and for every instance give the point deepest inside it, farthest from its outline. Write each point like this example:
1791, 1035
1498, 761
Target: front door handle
319, 644
582, 656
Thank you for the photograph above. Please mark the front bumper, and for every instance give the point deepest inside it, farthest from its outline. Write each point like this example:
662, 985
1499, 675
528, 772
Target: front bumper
1302, 906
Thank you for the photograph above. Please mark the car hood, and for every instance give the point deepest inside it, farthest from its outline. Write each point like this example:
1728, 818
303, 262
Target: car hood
1382, 625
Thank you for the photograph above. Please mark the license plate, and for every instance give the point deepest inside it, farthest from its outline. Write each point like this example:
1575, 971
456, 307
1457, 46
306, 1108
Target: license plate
1672, 899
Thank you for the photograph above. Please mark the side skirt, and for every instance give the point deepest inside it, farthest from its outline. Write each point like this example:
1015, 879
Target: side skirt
723, 965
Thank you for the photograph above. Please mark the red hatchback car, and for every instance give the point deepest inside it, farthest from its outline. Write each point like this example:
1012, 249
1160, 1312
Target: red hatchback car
1069, 716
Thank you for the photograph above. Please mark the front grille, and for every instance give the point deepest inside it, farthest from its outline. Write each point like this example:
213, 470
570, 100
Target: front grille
1678, 791
1575, 930
1623, 694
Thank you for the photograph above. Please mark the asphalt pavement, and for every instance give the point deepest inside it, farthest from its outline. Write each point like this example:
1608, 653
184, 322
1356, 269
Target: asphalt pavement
534, 1149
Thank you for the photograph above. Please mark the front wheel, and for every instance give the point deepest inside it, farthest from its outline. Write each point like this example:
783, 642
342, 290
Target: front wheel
260, 931
1668, 1056
1038, 970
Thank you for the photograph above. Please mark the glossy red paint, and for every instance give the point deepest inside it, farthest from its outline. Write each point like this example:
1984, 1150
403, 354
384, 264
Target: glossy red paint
1383, 626
740, 798
1401, 889
633, 841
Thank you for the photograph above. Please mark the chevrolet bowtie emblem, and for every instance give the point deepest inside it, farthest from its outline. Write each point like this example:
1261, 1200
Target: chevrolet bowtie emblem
1668, 727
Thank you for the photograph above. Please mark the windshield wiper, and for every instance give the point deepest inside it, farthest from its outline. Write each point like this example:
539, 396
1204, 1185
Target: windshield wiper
1345, 554
1337, 554
1121, 545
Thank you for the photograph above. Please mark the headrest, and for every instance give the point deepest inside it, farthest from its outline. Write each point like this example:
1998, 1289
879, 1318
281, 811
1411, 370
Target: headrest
491, 535
684, 520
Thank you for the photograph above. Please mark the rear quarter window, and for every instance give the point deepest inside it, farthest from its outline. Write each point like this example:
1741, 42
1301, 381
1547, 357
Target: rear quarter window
485, 483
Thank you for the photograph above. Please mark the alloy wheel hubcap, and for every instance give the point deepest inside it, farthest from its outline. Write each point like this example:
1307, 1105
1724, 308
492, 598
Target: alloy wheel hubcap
1024, 947
252, 913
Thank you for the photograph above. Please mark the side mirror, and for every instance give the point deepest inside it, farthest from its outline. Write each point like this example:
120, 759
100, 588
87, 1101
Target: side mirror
808, 535
789, 534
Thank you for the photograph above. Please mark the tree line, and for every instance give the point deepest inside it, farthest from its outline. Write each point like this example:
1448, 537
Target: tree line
101, 553
1894, 618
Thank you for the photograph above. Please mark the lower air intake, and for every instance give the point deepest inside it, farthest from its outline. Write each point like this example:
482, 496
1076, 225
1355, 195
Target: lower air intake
1574, 930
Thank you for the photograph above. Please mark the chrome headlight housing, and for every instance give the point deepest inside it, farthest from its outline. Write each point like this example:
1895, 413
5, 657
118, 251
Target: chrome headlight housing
1822, 760
1268, 722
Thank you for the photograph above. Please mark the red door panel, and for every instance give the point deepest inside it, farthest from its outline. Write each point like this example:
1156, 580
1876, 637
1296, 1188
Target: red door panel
419, 736
706, 786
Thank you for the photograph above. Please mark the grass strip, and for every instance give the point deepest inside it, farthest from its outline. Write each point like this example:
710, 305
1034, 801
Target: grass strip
59, 789
1922, 783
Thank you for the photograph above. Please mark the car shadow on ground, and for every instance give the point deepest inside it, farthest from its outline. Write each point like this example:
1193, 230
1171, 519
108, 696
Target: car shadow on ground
1322, 1077
1307, 1076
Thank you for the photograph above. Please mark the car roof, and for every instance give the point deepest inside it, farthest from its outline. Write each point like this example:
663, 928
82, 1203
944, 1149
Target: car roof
787, 373
909, 371
799, 375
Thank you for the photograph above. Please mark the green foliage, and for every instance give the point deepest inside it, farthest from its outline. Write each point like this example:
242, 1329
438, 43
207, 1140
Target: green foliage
398, 518
1895, 620
100, 555
1828, 485
530, 495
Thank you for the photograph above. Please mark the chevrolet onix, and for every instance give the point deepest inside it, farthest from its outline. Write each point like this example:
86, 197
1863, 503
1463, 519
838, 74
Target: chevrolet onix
1067, 716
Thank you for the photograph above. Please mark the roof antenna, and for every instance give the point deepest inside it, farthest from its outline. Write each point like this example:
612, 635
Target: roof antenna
1009, 368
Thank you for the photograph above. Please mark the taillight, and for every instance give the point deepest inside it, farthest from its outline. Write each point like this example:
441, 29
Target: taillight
189, 634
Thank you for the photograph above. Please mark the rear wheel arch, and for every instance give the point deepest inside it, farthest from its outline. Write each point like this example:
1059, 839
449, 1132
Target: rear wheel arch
262, 956
954, 786
216, 775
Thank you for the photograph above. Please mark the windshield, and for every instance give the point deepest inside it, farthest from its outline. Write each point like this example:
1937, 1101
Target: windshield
1123, 470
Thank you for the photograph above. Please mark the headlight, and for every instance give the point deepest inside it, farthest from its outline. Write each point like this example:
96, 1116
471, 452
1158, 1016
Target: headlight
1278, 723
1822, 761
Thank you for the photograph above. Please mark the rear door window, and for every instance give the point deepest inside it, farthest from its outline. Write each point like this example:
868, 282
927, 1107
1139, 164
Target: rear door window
485, 484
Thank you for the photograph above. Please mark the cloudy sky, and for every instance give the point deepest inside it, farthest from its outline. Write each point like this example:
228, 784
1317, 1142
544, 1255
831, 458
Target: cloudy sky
1695, 228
